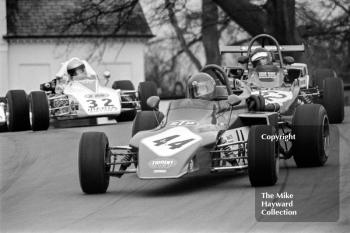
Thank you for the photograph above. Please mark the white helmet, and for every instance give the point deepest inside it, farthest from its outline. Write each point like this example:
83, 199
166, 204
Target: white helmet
261, 56
76, 67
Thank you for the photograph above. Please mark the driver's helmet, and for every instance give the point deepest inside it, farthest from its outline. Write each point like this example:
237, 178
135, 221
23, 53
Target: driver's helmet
76, 69
201, 86
260, 57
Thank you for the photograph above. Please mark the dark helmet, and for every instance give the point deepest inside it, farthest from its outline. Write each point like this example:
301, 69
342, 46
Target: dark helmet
201, 86
261, 56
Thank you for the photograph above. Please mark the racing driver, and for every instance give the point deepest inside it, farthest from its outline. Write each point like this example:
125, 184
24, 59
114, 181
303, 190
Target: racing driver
261, 57
74, 69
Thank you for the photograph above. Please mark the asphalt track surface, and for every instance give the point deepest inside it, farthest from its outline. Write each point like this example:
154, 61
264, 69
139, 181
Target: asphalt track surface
40, 191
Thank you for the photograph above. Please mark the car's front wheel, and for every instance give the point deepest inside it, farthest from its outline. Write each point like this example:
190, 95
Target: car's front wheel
263, 160
17, 112
39, 114
94, 154
3, 103
311, 129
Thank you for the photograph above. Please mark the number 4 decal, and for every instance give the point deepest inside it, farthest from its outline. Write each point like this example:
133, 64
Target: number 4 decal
179, 144
164, 140
171, 141
173, 145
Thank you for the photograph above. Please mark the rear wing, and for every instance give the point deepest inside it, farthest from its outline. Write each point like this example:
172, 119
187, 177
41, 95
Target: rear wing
271, 48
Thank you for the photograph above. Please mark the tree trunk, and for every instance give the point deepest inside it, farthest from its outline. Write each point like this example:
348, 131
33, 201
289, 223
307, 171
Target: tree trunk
252, 18
281, 20
169, 5
210, 33
276, 17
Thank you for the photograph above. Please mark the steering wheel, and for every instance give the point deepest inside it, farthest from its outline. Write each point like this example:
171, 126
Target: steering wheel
221, 75
263, 37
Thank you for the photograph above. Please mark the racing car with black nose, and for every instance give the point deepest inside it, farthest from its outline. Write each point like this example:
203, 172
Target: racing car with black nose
283, 79
218, 127
74, 99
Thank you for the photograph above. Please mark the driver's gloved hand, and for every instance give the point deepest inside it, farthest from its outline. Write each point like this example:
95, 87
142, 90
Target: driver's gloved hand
273, 107
256, 103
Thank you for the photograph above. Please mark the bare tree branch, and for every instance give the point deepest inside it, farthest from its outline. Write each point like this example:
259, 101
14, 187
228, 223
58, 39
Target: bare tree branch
169, 5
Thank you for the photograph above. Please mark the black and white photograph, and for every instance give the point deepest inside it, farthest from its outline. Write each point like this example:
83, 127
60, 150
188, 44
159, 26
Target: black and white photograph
201, 116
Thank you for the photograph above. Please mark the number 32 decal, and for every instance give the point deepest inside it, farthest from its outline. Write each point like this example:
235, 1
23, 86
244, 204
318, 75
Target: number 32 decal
106, 102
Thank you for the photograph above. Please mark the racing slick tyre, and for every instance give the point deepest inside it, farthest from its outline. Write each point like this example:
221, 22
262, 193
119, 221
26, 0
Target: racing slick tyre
17, 110
3, 127
127, 86
123, 85
263, 160
333, 99
126, 116
320, 75
146, 120
39, 114
146, 90
93, 155
310, 126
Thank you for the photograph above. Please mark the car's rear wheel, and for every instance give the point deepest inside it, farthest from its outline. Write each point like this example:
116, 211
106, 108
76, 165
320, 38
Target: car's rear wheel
123, 85
146, 120
263, 160
94, 153
333, 99
311, 129
320, 75
17, 110
126, 85
146, 90
39, 114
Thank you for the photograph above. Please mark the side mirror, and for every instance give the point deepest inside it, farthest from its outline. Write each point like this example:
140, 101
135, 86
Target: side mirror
107, 74
288, 60
153, 102
233, 100
243, 59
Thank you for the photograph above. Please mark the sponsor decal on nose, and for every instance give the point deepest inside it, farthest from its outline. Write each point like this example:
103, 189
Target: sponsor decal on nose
97, 95
162, 163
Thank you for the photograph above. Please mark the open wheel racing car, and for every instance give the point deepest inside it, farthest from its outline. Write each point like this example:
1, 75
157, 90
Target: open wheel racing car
78, 99
220, 126
283, 79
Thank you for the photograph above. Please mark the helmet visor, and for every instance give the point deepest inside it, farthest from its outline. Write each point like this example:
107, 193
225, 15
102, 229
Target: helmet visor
77, 71
201, 89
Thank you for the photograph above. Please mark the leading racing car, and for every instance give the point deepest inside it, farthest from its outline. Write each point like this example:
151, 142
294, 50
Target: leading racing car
220, 126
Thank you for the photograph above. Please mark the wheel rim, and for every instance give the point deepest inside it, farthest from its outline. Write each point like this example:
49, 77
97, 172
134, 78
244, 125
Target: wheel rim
30, 115
325, 136
7, 115
107, 159
277, 167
